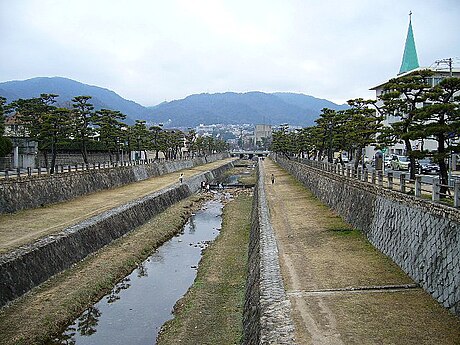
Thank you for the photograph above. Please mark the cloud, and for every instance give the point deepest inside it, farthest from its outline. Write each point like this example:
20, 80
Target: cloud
151, 51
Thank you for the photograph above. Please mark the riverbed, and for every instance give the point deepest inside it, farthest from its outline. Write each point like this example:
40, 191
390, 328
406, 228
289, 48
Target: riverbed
136, 308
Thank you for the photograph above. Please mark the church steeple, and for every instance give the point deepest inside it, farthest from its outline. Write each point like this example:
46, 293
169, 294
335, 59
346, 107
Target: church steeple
410, 60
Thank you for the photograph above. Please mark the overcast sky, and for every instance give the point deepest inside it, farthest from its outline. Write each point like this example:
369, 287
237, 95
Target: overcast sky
150, 51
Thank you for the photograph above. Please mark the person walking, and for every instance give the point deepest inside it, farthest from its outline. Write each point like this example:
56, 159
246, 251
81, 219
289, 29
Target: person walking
181, 178
273, 179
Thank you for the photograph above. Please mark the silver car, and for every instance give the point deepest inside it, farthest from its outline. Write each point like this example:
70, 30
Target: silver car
400, 162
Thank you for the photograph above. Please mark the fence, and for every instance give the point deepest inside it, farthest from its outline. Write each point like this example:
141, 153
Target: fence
61, 169
449, 194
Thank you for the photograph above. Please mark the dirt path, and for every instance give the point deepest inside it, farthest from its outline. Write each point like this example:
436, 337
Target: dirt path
29, 225
342, 290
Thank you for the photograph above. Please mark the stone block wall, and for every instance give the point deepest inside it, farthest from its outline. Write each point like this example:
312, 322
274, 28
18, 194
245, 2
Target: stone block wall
74, 158
267, 314
420, 236
30, 265
23, 193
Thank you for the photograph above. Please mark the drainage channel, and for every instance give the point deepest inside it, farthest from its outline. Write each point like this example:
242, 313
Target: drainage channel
136, 308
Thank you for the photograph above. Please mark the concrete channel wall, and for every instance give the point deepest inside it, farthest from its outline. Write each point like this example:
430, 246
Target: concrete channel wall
23, 193
267, 308
420, 236
30, 265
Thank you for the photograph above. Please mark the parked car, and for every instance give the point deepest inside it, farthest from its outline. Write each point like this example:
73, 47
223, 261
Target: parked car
341, 155
387, 162
400, 162
427, 166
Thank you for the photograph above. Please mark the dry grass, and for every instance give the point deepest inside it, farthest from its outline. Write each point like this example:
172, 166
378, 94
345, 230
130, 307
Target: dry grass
44, 311
211, 312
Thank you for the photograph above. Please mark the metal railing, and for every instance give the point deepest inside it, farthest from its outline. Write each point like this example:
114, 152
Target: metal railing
434, 190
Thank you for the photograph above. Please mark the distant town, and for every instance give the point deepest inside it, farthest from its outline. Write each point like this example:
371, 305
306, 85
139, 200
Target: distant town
240, 136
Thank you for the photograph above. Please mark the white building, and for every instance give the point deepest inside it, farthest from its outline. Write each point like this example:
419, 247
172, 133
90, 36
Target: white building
262, 136
410, 65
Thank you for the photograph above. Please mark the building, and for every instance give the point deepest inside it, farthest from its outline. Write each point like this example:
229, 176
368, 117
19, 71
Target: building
24, 149
410, 65
262, 136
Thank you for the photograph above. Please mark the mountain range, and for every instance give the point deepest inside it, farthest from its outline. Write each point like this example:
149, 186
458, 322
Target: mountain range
227, 108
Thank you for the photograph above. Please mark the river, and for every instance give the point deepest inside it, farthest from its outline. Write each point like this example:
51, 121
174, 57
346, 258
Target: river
136, 308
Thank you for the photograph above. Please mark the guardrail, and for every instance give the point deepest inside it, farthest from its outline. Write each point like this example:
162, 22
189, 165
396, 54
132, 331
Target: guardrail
448, 194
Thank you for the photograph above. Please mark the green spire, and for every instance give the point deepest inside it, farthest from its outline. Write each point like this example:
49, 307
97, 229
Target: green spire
410, 60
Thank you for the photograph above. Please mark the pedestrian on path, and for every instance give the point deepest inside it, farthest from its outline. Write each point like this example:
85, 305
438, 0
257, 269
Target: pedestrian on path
273, 179
181, 178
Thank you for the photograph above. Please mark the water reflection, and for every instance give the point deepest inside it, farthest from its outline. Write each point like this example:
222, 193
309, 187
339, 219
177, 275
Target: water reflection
65, 339
114, 295
86, 326
136, 308
88, 321
191, 226
142, 270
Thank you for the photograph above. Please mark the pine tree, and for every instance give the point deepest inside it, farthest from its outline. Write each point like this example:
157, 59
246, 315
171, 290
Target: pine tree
110, 129
5, 143
401, 98
83, 119
439, 120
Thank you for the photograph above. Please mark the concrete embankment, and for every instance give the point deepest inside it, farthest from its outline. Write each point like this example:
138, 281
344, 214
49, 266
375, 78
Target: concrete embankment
267, 308
35, 191
421, 237
30, 265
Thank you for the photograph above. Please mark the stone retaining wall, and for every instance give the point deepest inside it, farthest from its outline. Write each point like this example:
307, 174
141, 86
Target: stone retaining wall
267, 308
422, 237
23, 193
30, 265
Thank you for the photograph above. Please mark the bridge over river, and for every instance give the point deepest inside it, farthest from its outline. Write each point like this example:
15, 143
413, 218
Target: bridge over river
250, 154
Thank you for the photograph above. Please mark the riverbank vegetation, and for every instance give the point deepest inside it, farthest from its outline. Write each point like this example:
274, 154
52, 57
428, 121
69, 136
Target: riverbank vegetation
212, 310
46, 310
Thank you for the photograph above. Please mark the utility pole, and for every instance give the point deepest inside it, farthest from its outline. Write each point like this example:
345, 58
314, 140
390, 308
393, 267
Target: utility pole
448, 62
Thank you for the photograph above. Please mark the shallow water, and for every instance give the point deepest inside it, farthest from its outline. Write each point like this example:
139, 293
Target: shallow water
137, 306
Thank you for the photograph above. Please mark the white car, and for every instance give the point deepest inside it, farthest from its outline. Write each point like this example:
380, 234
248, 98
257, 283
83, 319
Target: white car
400, 162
